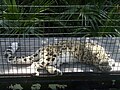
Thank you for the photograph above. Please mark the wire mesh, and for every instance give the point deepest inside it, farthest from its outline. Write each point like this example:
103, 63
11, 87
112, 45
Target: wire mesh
28, 46
34, 29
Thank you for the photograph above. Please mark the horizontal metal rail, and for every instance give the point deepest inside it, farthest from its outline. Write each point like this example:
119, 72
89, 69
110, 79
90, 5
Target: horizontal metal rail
55, 20
57, 27
54, 6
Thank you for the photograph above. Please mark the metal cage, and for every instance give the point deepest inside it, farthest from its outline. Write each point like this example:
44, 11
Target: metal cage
28, 45
31, 34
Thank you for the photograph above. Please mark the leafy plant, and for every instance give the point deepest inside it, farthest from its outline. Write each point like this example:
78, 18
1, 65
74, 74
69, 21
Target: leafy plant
94, 19
112, 24
17, 19
31, 19
84, 18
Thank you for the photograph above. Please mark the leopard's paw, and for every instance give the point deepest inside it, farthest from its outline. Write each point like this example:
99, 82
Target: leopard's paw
53, 70
37, 74
58, 72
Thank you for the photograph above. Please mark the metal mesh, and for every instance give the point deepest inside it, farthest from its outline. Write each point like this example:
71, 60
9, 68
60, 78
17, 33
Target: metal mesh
28, 46
31, 34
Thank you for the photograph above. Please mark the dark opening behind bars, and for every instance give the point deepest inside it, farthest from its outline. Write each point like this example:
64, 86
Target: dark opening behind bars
34, 33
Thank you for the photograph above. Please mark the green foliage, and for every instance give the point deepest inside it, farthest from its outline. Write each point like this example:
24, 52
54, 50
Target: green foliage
23, 20
94, 18
86, 18
98, 19
111, 24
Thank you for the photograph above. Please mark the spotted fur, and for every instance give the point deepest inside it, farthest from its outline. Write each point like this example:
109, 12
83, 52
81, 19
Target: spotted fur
47, 57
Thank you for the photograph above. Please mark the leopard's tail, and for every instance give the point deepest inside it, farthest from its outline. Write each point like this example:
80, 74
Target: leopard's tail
10, 51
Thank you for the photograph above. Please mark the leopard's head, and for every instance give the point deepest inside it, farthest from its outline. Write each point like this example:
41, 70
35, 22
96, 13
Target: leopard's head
107, 63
